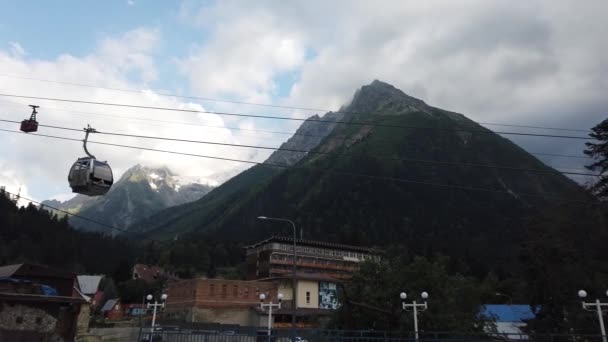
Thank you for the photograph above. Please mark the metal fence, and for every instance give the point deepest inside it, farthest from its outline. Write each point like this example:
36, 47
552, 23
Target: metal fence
315, 335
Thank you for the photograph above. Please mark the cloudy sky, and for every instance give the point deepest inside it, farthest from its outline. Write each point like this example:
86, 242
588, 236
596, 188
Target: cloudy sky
514, 62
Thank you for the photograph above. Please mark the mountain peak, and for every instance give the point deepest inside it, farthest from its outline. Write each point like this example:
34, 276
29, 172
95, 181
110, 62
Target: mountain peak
376, 94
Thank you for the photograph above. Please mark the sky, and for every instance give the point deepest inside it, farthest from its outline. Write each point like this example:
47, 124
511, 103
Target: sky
542, 63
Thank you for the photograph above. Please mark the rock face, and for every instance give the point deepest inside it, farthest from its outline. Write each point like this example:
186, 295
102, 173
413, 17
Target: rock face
141, 191
306, 138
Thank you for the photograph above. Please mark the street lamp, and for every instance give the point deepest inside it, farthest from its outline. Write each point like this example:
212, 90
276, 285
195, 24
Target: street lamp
156, 305
270, 306
415, 307
597, 307
293, 273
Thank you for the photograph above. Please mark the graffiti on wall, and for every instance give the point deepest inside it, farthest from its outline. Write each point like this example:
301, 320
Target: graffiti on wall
328, 295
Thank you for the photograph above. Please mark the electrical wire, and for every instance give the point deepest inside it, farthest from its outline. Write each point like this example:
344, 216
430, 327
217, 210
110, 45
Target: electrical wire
411, 160
101, 224
255, 104
385, 178
293, 119
261, 131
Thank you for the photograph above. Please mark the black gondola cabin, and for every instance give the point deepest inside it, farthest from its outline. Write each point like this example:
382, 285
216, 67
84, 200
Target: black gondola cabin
91, 177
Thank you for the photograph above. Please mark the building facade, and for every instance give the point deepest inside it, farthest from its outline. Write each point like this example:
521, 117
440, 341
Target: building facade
217, 300
273, 257
320, 269
38, 303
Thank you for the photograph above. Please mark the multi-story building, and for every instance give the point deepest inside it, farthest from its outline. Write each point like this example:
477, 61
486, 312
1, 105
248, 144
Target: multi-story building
320, 268
273, 257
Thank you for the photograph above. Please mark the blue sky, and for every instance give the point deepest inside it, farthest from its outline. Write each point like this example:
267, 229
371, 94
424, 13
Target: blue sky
48, 30
527, 63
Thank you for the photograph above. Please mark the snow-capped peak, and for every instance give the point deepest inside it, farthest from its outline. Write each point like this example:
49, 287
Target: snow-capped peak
154, 176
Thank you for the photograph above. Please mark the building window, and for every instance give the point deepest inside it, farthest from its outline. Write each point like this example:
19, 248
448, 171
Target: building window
307, 297
246, 295
224, 290
38, 320
19, 320
211, 289
235, 291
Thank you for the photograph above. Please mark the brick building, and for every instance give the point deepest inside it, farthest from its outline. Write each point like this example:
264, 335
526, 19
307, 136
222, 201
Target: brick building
216, 300
320, 268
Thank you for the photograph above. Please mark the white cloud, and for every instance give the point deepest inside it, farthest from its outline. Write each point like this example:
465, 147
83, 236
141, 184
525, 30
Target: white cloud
242, 58
13, 182
530, 62
130, 2
534, 62
126, 61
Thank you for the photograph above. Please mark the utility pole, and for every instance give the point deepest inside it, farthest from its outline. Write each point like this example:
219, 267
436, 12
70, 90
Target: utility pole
155, 306
270, 306
596, 306
415, 307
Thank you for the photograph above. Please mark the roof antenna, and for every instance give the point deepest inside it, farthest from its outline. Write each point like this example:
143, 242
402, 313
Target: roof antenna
301, 233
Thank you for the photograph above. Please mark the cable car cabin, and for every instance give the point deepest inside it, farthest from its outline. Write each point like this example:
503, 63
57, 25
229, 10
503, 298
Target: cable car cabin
91, 177
29, 125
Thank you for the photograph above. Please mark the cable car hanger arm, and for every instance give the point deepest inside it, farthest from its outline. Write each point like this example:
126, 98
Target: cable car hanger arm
88, 130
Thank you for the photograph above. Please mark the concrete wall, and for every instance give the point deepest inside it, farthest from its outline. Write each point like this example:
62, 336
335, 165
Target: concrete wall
310, 287
122, 334
225, 316
82, 321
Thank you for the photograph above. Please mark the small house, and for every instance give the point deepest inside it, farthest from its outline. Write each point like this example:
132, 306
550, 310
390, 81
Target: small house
112, 309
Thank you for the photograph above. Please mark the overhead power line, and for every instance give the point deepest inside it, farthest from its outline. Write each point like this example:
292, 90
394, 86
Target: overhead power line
253, 103
385, 178
344, 138
101, 224
373, 124
410, 160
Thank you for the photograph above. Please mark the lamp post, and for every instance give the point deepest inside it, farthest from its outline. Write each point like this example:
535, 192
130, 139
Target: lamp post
597, 307
293, 273
270, 306
415, 307
155, 306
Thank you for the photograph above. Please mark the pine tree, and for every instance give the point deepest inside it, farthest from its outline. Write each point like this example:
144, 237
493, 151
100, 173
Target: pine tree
599, 152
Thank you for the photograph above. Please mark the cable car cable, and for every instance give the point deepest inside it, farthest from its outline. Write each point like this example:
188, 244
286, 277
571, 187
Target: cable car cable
487, 131
83, 217
421, 161
267, 131
394, 179
144, 92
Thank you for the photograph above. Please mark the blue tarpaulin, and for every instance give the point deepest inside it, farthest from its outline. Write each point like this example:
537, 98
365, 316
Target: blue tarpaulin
45, 289
508, 313
48, 291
